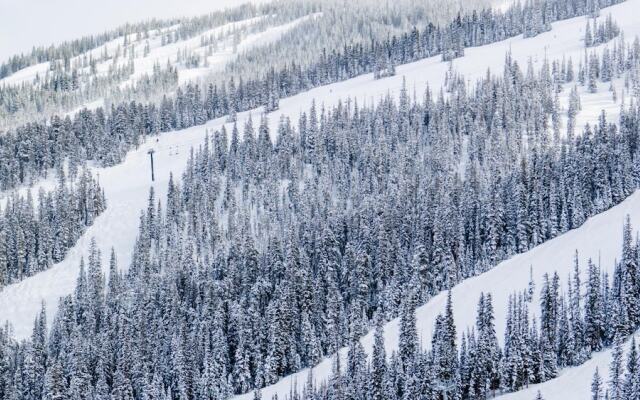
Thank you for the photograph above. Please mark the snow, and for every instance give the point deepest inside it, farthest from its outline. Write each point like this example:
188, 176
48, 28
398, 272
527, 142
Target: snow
92, 105
272, 34
27, 74
502, 5
142, 64
162, 54
220, 58
126, 187
169, 53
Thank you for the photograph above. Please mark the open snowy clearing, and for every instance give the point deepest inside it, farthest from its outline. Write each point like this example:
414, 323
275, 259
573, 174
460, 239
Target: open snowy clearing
127, 185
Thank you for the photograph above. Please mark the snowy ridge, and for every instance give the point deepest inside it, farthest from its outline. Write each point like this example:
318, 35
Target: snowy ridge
142, 56
160, 53
219, 59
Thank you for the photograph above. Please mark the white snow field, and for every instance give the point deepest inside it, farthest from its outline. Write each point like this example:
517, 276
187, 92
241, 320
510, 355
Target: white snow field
126, 186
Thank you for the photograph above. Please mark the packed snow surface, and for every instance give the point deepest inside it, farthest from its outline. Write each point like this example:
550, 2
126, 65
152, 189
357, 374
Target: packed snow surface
127, 185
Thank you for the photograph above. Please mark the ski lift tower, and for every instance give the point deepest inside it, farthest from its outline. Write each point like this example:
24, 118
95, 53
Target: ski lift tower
150, 152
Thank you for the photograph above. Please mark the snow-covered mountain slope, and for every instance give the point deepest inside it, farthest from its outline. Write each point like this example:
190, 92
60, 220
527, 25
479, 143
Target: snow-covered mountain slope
120, 51
126, 186
218, 59
122, 68
599, 238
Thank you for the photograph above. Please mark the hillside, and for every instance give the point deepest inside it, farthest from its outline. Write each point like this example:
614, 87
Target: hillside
126, 185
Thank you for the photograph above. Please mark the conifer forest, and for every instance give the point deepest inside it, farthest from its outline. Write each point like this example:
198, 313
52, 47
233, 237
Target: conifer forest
321, 200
